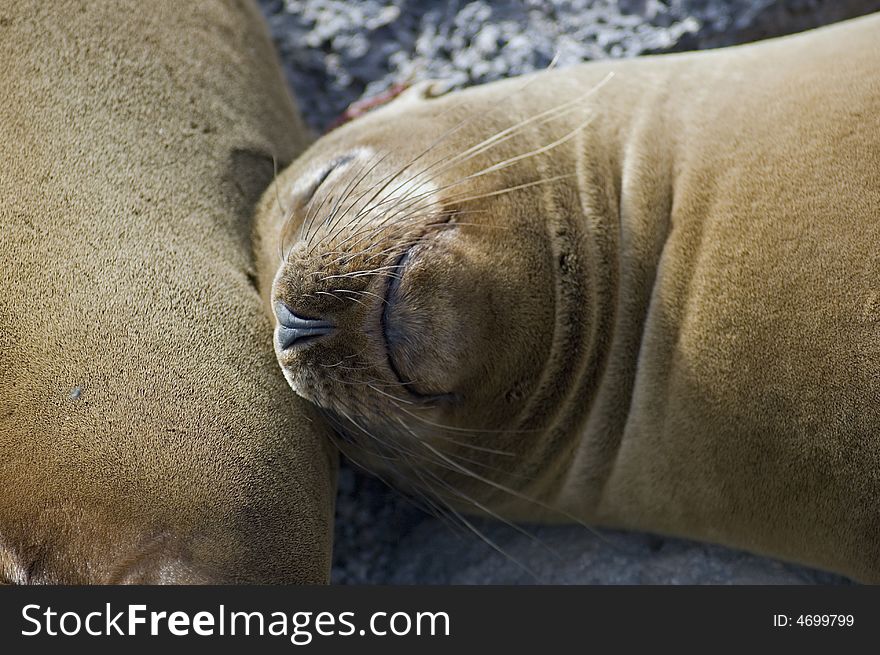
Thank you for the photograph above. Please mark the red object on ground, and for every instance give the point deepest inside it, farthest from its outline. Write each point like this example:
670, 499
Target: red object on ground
365, 105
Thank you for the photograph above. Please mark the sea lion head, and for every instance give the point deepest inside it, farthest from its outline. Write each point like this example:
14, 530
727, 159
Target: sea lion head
416, 299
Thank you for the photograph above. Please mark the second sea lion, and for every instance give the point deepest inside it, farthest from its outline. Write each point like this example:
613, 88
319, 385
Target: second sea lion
144, 433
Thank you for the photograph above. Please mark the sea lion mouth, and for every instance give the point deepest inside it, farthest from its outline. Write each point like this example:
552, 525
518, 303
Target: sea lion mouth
391, 332
407, 326
393, 335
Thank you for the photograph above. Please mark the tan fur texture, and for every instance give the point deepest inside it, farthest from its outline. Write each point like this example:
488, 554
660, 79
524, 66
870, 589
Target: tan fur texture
145, 433
659, 310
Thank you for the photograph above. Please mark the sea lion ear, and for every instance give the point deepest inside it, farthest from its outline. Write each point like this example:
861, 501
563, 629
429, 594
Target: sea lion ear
397, 96
426, 90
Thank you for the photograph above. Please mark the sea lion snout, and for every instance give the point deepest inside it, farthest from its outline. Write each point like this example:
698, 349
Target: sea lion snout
295, 331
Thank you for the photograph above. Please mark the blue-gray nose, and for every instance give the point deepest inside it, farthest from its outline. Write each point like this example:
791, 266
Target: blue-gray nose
295, 331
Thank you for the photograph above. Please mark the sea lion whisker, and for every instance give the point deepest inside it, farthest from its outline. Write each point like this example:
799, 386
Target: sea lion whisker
497, 485
341, 198
365, 382
312, 210
484, 449
351, 235
404, 232
369, 204
338, 442
420, 438
515, 159
392, 176
505, 134
518, 528
427, 492
473, 431
374, 229
452, 213
346, 368
309, 218
395, 399
399, 245
333, 295
365, 273
412, 213
391, 446
371, 272
471, 527
369, 255
473, 151
544, 116
483, 465
462, 458
347, 254
434, 509
355, 275
538, 151
361, 293
492, 544
339, 365
368, 168
362, 273
460, 199
408, 205
517, 187
447, 226
286, 218
372, 439
308, 223
402, 240
366, 254
497, 139
489, 169
351, 356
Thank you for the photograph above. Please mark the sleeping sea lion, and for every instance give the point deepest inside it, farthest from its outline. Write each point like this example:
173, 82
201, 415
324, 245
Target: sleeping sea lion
641, 294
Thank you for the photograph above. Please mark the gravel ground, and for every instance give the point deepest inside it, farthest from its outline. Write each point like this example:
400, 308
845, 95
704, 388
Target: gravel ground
337, 51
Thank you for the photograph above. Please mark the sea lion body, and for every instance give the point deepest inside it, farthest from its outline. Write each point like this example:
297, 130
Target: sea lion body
659, 309
144, 432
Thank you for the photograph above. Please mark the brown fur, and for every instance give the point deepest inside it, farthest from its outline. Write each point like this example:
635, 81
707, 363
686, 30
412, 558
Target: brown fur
681, 336
145, 434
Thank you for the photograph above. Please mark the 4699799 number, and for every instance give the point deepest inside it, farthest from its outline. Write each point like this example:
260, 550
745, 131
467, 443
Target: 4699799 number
814, 620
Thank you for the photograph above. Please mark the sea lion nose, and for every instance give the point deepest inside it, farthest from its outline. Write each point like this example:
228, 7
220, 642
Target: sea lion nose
295, 331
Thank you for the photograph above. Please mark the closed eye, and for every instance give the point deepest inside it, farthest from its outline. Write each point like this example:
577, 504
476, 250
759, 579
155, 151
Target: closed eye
303, 195
312, 189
